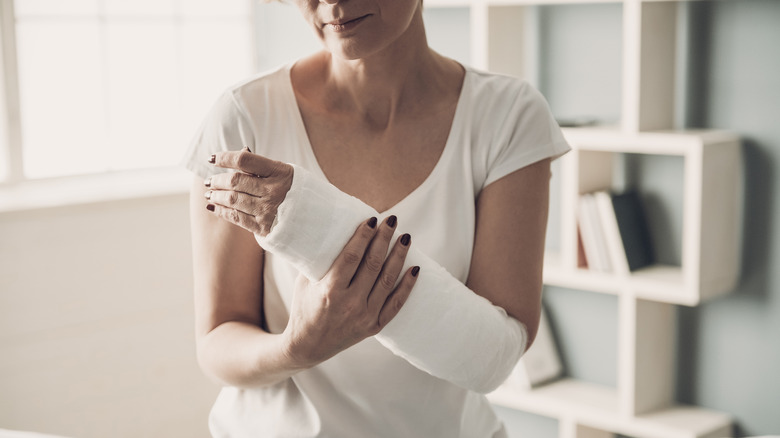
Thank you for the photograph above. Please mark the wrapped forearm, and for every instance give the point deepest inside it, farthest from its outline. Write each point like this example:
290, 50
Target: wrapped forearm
313, 224
447, 330
443, 328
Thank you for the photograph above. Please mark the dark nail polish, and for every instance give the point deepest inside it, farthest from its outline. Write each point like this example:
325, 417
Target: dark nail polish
391, 221
207, 182
247, 149
207, 194
406, 239
213, 159
372, 222
415, 271
210, 207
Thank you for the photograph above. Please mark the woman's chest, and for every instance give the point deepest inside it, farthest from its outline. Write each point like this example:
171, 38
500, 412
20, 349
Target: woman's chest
380, 166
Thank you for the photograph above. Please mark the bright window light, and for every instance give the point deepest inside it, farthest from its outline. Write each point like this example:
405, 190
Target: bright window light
109, 85
69, 8
61, 92
4, 129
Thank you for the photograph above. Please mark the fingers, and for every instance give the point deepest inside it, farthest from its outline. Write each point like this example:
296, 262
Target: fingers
243, 220
396, 300
247, 193
235, 200
247, 162
374, 260
388, 277
347, 262
237, 181
237, 191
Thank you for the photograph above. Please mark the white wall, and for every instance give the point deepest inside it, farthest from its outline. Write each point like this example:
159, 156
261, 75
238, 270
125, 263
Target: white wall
96, 322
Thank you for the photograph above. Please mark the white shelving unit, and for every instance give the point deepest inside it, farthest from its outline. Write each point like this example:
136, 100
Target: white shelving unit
642, 404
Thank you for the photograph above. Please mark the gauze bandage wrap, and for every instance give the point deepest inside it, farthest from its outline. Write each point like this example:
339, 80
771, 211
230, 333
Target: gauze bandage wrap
313, 224
443, 328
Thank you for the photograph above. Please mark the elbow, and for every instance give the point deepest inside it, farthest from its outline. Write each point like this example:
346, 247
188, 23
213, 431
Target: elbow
531, 330
205, 363
212, 361
529, 323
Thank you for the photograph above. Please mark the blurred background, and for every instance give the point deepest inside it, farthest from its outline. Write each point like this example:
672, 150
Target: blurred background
99, 99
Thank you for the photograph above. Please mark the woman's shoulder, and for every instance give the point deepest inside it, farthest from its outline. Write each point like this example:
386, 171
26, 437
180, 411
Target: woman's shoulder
499, 104
258, 86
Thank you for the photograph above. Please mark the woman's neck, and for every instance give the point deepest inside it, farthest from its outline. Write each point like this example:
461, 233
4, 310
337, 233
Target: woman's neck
379, 88
382, 85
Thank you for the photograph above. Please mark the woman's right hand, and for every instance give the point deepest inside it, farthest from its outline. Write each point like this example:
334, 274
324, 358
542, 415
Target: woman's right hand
250, 196
355, 299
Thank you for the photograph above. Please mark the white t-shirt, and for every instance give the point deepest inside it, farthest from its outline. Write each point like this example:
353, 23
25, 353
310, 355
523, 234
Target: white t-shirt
501, 124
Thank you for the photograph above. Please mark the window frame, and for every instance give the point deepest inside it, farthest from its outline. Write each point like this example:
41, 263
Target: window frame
18, 193
11, 143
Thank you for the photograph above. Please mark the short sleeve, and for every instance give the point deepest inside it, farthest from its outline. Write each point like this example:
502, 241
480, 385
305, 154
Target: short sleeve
225, 128
528, 133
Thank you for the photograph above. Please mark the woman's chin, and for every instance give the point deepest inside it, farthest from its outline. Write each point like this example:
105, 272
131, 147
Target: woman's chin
348, 53
350, 50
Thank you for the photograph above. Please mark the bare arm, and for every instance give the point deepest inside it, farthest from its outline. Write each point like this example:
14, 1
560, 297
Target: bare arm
506, 267
228, 264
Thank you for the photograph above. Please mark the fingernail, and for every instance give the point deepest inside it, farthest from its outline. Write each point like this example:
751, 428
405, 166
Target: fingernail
391, 221
210, 207
415, 271
372, 222
247, 149
208, 194
207, 182
213, 159
405, 239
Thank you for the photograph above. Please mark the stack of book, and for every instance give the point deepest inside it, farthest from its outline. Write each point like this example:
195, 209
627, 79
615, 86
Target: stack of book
613, 232
614, 238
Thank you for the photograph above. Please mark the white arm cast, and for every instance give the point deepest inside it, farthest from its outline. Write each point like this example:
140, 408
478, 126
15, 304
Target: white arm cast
444, 328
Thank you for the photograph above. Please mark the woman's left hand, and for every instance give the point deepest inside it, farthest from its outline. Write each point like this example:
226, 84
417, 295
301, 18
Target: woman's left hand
249, 197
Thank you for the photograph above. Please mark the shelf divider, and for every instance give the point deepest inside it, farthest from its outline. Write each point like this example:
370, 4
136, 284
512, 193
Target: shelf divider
511, 59
646, 369
649, 33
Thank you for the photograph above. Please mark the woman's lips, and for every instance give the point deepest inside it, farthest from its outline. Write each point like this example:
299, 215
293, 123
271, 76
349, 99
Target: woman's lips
346, 25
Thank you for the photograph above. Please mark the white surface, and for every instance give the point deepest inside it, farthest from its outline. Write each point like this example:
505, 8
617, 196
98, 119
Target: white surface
4, 433
97, 322
58, 192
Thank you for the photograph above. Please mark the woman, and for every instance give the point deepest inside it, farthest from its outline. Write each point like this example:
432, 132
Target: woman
396, 327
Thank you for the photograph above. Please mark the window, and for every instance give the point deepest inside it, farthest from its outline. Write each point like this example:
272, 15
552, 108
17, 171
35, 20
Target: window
110, 85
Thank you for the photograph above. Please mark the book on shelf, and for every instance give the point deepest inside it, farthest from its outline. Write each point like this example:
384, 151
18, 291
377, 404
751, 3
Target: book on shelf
634, 229
612, 238
541, 363
621, 229
592, 234
582, 260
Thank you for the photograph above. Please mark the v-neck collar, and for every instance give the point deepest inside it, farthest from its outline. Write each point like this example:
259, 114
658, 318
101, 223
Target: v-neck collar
456, 123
